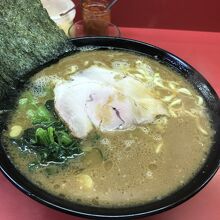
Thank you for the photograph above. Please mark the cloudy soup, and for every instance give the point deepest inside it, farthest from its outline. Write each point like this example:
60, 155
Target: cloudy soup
109, 129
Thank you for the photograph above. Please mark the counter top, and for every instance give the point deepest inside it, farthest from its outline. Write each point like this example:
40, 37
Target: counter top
202, 51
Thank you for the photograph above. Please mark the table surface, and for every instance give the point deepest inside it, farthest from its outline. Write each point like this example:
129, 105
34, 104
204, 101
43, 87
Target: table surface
201, 50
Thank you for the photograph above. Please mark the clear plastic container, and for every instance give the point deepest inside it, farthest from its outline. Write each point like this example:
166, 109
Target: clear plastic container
57, 7
96, 17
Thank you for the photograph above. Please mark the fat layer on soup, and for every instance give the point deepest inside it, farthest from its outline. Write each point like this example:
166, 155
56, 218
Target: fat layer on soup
109, 128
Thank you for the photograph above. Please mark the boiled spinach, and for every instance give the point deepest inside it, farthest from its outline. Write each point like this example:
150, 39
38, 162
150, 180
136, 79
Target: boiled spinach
48, 138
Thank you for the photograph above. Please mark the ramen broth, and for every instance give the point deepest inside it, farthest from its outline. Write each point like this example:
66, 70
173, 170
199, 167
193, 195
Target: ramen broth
120, 167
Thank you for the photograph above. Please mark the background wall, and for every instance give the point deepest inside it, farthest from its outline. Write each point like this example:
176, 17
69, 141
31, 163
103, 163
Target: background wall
201, 15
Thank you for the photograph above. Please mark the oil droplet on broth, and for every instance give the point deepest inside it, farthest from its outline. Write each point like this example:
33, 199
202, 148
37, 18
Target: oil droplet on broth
56, 186
128, 143
108, 165
95, 201
152, 166
105, 141
93, 158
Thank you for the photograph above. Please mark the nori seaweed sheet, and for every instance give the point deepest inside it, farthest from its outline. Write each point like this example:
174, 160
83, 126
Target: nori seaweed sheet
28, 39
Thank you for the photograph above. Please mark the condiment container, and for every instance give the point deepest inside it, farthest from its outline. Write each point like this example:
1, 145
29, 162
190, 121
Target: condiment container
57, 7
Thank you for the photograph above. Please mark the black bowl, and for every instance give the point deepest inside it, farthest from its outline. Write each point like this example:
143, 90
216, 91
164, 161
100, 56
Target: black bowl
198, 182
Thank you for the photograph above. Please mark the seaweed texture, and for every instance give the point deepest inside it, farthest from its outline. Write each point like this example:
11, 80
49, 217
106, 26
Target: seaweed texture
28, 39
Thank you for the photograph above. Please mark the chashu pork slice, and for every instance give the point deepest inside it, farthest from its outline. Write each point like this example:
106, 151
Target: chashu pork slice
90, 104
111, 111
96, 98
70, 105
